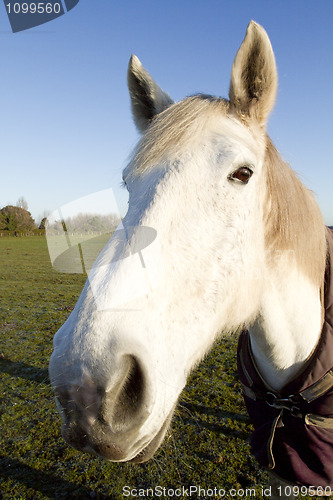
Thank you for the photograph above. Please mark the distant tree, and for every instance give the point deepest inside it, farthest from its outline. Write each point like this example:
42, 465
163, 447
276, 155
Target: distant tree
41, 219
42, 223
16, 219
2, 221
22, 203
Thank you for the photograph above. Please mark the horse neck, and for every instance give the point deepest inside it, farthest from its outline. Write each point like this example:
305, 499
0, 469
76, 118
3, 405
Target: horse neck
288, 326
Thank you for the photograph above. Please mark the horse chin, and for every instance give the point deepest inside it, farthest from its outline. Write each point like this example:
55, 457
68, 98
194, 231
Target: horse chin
109, 450
149, 450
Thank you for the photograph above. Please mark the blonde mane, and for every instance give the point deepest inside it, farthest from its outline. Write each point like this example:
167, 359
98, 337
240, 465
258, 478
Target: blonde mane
293, 221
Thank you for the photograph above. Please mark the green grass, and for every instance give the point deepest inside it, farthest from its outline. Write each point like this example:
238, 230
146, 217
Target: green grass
207, 444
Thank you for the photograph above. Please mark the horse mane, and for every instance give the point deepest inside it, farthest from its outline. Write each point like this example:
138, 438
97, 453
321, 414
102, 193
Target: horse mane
293, 221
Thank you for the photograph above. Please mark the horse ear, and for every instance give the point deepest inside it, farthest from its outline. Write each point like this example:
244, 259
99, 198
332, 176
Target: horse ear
254, 76
147, 98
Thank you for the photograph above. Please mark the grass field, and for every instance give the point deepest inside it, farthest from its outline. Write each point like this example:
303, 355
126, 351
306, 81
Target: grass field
207, 445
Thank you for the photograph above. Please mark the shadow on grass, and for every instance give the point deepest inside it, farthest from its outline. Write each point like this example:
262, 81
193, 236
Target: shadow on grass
50, 485
23, 370
222, 417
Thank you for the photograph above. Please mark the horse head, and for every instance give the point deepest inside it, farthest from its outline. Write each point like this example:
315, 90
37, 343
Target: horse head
202, 226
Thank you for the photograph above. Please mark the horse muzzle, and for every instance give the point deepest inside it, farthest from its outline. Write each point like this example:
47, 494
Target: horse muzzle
111, 423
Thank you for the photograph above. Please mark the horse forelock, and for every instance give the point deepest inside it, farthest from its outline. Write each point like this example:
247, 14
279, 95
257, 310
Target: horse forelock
292, 218
176, 130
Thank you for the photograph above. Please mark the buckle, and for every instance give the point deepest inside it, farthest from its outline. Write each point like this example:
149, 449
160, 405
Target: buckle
283, 403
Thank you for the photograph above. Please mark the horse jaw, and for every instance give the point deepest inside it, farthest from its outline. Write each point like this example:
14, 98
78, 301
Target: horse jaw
288, 325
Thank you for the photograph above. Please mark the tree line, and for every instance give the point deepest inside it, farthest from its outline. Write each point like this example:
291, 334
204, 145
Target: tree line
17, 220
85, 223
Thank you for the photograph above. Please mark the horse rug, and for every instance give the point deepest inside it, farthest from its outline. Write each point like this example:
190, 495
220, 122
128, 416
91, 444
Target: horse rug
293, 428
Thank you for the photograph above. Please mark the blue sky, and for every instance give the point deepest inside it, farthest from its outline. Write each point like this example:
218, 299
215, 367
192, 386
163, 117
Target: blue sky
66, 127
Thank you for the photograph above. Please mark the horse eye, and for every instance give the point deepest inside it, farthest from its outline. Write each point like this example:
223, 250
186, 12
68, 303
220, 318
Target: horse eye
243, 174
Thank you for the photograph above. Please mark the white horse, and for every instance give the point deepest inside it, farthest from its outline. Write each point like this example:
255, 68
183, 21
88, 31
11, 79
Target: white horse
236, 242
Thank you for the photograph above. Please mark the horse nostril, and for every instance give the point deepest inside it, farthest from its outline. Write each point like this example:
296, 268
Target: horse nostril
132, 394
89, 406
123, 409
